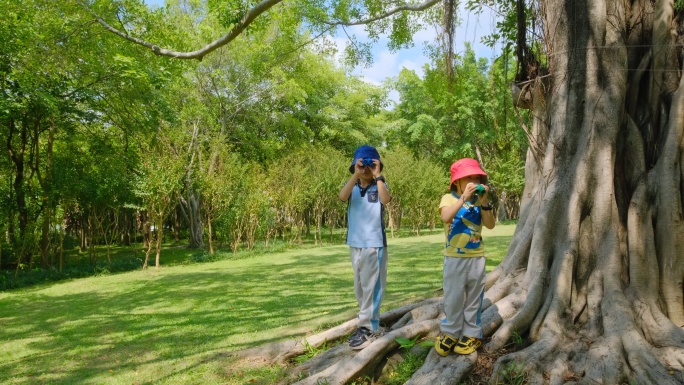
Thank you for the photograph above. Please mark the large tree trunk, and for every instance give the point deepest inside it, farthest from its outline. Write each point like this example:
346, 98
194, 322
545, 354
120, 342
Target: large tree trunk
192, 211
594, 275
601, 293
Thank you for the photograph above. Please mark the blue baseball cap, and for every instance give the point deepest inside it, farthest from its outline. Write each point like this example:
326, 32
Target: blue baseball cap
365, 152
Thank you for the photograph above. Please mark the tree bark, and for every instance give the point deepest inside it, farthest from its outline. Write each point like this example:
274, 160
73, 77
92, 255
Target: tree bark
191, 208
17, 157
45, 182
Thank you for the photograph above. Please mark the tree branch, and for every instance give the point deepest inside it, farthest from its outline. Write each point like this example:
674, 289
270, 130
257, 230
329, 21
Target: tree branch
245, 21
406, 7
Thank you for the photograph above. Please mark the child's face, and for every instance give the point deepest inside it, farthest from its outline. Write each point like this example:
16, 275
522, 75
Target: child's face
367, 173
463, 182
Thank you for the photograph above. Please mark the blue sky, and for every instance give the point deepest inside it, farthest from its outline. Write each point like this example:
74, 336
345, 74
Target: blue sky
388, 64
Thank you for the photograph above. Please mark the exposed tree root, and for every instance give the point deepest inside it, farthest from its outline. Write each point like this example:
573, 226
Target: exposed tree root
617, 353
440, 370
365, 361
282, 352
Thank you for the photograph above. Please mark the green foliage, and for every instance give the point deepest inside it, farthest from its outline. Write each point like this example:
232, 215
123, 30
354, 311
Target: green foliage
24, 277
406, 368
506, 28
416, 185
104, 137
517, 338
512, 374
411, 361
67, 120
310, 351
473, 117
405, 343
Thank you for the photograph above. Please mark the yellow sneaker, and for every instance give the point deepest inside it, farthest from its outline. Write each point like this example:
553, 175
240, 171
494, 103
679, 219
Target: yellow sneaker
467, 345
444, 344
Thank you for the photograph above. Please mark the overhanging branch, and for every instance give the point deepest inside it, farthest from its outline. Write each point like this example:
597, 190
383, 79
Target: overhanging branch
404, 7
245, 21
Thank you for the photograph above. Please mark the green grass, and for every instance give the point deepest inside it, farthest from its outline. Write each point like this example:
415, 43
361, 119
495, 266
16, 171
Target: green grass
117, 258
173, 325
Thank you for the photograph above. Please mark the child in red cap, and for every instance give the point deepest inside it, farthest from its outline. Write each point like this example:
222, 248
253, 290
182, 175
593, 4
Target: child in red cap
465, 209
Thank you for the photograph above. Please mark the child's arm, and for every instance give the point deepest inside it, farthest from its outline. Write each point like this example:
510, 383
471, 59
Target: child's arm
449, 212
349, 186
488, 219
383, 192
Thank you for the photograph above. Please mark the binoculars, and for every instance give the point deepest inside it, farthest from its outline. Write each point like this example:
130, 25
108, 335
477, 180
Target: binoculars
480, 190
367, 162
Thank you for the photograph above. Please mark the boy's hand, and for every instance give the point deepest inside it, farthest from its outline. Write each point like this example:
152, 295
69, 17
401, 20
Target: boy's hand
376, 168
358, 167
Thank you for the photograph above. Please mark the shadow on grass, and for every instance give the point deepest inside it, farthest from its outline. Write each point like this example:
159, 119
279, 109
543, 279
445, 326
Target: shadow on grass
174, 325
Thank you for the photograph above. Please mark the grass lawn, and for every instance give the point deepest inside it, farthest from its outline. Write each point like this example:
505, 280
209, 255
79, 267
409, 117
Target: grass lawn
172, 325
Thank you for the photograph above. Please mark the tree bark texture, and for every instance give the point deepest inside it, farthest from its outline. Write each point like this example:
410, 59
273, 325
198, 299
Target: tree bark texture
191, 208
594, 274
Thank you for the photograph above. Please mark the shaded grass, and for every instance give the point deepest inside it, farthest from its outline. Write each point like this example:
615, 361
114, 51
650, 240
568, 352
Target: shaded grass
103, 260
174, 325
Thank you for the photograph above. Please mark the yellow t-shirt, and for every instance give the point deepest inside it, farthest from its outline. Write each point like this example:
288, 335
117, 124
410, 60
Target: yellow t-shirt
464, 234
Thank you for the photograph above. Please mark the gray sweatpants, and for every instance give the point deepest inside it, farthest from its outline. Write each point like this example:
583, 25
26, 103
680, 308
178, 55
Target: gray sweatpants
370, 276
463, 292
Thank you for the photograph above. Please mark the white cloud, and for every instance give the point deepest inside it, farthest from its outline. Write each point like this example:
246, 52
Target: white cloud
426, 35
384, 65
393, 97
415, 65
355, 30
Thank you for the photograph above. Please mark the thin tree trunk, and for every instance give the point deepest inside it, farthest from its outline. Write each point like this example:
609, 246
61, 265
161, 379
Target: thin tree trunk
210, 235
160, 236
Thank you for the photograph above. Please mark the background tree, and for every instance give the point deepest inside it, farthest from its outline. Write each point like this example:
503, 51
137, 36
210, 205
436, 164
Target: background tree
157, 186
416, 186
55, 76
471, 115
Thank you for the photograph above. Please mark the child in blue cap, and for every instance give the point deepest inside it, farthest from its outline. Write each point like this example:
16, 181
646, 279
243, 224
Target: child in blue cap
366, 194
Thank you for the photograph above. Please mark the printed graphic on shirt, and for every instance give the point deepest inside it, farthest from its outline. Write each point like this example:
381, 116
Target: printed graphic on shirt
463, 235
372, 196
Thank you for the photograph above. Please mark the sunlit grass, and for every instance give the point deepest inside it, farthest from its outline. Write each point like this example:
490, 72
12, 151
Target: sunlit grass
173, 325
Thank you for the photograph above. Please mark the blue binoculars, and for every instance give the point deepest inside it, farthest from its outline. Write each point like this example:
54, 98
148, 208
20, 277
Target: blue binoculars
367, 162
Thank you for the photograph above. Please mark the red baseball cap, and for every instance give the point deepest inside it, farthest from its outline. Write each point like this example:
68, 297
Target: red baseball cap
464, 167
